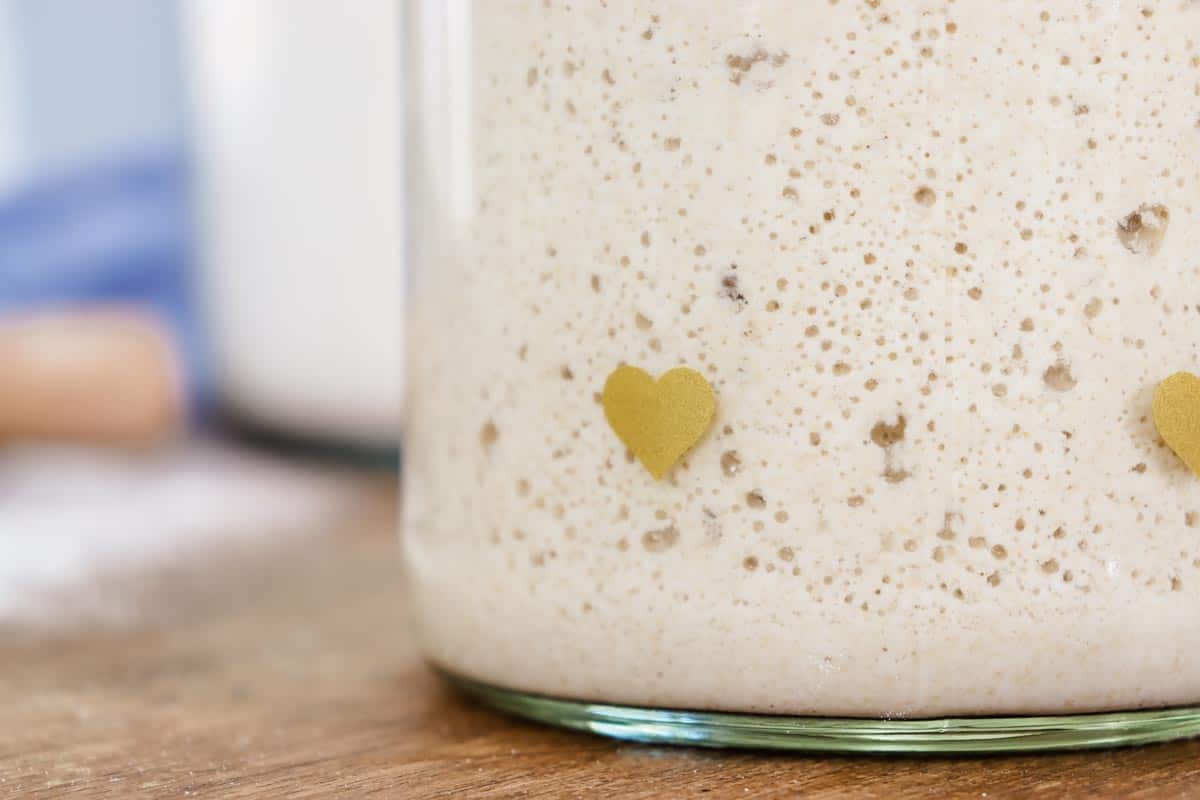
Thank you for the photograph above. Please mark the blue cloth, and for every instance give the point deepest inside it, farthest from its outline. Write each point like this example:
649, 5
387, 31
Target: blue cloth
118, 233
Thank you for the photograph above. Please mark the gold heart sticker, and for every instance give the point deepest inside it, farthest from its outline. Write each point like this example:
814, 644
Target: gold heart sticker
658, 420
1177, 416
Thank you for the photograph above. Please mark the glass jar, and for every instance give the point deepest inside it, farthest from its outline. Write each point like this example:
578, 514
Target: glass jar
932, 261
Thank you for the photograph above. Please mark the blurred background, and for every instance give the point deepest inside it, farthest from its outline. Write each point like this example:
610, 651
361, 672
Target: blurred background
200, 278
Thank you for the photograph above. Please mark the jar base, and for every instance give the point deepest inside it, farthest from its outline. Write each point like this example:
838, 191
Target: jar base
717, 729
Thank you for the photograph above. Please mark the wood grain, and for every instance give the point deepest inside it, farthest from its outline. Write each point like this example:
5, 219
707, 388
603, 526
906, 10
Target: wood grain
287, 671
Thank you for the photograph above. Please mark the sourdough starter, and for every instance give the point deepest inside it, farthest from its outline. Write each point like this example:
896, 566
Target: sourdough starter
933, 258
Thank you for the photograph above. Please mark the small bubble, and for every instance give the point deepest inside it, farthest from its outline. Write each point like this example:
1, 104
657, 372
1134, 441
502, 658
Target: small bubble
731, 463
730, 290
755, 499
660, 540
925, 196
947, 532
885, 435
488, 434
1058, 377
1143, 230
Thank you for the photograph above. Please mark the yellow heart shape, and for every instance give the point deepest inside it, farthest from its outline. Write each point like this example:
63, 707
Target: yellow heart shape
1177, 416
658, 420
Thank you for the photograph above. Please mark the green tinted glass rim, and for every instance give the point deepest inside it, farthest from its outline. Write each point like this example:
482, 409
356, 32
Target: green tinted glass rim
843, 735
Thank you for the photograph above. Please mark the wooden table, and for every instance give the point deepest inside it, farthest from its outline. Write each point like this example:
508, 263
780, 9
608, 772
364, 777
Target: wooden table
286, 670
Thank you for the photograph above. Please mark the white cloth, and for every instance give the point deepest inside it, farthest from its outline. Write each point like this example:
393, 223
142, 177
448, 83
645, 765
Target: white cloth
69, 517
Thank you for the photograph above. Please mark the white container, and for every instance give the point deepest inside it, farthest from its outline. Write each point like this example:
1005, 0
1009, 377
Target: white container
297, 140
929, 287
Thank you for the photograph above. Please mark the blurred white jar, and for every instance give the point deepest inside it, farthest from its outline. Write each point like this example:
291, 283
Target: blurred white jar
297, 139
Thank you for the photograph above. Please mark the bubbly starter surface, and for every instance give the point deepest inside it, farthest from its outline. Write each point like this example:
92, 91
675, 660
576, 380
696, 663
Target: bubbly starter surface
933, 258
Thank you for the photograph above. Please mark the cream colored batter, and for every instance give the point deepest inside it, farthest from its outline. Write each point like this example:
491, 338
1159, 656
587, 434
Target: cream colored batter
933, 258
